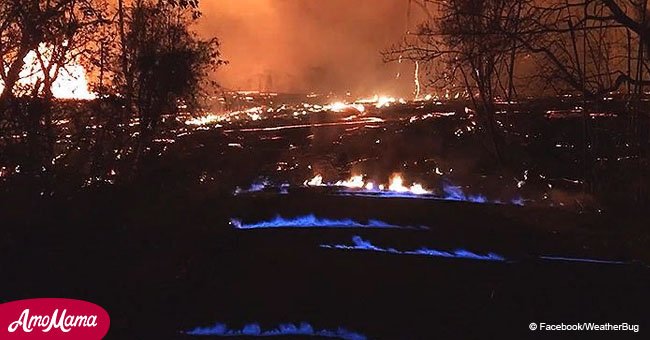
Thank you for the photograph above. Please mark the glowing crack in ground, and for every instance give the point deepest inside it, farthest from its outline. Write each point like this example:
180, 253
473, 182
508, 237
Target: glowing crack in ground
289, 329
361, 244
451, 193
356, 186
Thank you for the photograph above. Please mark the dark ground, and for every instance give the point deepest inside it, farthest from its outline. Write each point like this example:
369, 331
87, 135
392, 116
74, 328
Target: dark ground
185, 267
159, 255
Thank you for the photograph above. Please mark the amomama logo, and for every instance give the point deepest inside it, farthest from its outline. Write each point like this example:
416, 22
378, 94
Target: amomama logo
50, 318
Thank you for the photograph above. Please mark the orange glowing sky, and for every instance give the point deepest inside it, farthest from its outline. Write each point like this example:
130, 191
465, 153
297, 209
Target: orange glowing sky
309, 45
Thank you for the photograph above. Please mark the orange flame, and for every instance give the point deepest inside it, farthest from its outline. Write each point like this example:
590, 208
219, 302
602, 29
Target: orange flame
70, 83
395, 184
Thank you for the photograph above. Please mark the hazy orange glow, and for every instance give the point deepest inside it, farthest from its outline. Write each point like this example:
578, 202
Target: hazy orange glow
310, 46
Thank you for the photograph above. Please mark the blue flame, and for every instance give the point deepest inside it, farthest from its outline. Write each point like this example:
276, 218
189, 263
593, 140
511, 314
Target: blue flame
310, 221
455, 193
451, 193
518, 201
361, 244
258, 186
583, 260
288, 329
383, 194
477, 199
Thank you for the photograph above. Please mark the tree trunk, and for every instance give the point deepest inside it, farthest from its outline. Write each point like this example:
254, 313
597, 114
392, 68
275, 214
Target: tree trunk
13, 75
128, 78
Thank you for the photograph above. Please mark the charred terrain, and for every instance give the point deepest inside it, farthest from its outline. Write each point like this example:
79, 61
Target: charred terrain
265, 216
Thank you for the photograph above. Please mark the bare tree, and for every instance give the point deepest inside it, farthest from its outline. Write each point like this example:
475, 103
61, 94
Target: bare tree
39, 39
167, 62
468, 39
591, 49
56, 31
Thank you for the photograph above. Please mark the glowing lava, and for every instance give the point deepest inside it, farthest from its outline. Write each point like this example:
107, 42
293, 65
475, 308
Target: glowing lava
343, 107
381, 101
356, 182
204, 120
353, 182
396, 188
